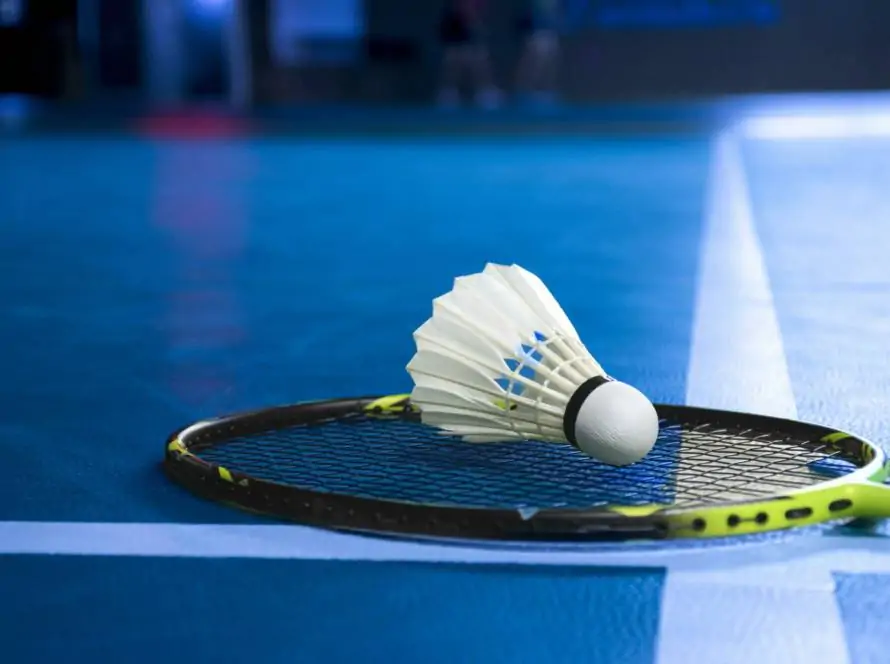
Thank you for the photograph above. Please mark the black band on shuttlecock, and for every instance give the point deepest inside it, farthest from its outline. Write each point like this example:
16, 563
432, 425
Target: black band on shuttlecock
574, 406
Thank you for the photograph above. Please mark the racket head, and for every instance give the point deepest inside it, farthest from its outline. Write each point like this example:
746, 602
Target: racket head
368, 464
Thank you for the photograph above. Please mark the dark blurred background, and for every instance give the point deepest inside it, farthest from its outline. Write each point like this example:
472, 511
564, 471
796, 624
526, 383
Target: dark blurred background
280, 52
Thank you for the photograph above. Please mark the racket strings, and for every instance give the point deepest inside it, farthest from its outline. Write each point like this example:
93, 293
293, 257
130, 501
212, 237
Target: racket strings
721, 465
407, 461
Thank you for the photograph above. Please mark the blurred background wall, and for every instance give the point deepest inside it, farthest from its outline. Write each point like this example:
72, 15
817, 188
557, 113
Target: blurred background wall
247, 52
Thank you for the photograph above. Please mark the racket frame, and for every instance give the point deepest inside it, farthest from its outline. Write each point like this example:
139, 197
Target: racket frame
859, 494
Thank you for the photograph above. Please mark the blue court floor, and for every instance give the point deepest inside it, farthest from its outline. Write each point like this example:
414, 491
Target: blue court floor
148, 282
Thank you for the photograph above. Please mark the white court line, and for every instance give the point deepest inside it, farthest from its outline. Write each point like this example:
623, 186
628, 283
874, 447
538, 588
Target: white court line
822, 126
737, 359
767, 562
738, 363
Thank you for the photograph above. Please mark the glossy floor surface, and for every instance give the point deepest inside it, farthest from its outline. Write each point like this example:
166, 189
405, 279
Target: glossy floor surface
151, 281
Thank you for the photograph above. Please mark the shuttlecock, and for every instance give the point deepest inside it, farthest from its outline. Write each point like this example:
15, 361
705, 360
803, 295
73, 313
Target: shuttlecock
499, 360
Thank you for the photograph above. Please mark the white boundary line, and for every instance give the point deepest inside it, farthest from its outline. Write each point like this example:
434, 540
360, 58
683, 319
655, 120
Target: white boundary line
729, 564
737, 360
738, 363
800, 126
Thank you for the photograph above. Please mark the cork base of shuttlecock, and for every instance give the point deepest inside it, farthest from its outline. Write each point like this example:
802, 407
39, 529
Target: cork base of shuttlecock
611, 421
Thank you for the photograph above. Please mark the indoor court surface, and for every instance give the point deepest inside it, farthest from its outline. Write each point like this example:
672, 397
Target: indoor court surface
150, 281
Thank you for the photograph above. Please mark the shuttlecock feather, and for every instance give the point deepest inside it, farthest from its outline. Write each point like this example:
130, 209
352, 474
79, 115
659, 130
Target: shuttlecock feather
500, 360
